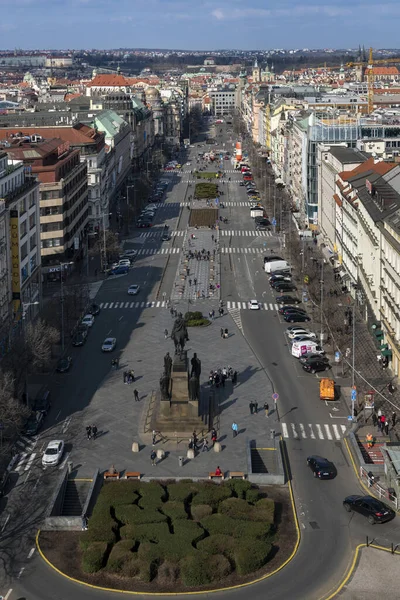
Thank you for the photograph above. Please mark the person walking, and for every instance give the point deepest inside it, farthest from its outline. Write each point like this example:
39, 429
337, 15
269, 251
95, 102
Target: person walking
136, 395
266, 409
165, 334
94, 432
213, 436
256, 407
89, 432
234, 378
222, 332
394, 417
195, 281
251, 406
369, 440
153, 437
386, 427
190, 282
204, 447
383, 421
195, 439
153, 457
234, 429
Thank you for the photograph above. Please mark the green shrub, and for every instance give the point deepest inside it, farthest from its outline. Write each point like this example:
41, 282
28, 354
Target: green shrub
222, 524
150, 532
253, 496
250, 555
152, 495
235, 508
205, 190
193, 315
217, 544
200, 511
198, 322
120, 553
174, 510
168, 574
182, 491
188, 530
212, 494
131, 568
102, 527
221, 567
174, 548
130, 514
119, 492
239, 487
196, 569
265, 508
93, 557
150, 556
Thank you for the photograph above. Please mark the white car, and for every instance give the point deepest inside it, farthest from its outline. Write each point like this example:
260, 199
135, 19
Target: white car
124, 262
301, 331
53, 453
188, 163
130, 252
88, 320
152, 207
109, 344
254, 305
133, 289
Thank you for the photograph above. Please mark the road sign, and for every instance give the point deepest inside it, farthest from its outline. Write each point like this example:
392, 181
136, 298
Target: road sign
337, 357
353, 395
265, 244
349, 418
273, 221
275, 396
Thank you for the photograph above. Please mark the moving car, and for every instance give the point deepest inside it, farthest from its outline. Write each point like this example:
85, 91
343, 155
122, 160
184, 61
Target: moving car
88, 320
109, 344
119, 271
34, 423
130, 252
317, 354
321, 467
53, 453
64, 364
242, 183
375, 510
42, 402
166, 236
298, 317
142, 223
285, 299
133, 289
254, 305
316, 366
94, 309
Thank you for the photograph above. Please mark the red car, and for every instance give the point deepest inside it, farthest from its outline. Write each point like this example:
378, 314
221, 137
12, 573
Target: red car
247, 178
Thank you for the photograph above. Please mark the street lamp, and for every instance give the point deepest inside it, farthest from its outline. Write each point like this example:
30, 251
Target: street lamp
104, 252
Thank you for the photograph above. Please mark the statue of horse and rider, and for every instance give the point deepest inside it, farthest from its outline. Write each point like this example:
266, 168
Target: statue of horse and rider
179, 334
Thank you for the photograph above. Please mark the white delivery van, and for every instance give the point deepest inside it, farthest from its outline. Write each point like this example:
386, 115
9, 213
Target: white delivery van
300, 348
276, 265
256, 212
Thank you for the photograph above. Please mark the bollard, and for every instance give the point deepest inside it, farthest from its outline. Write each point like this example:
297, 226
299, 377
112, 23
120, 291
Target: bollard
135, 447
180, 460
272, 434
160, 454
217, 447
69, 463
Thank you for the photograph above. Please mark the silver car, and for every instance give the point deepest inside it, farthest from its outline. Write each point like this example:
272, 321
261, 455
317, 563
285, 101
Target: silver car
109, 344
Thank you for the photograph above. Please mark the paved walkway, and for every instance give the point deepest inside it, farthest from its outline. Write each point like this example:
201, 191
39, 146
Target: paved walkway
195, 274
377, 575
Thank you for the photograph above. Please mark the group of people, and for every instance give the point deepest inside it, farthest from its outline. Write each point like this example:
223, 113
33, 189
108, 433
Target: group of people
224, 333
223, 219
218, 377
203, 445
382, 422
91, 432
115, 363
129, 376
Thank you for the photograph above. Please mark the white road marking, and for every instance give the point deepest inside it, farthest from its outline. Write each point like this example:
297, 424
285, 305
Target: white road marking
312, 434
328, 432
343, 428
293, 429
32, 550
302, 430
336, 432
319, 430
30, 461
5, 523
6, 597
20, 572
66, 424
285, 430
58, 414
21, 461
111, 304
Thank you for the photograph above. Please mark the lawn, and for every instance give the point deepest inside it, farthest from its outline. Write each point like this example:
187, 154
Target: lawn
204, 191
205, 174
175, 536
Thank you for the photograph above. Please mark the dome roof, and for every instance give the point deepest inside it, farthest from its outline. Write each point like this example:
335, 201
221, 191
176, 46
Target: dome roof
152, 92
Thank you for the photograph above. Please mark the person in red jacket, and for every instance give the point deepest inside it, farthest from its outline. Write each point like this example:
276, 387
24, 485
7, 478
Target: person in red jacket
218, 471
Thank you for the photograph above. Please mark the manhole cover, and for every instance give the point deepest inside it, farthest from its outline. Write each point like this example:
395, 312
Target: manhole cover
314, 525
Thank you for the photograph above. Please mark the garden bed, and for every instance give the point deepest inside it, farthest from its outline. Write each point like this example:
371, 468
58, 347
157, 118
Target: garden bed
177, 536
206, 174
196, 319
205, 191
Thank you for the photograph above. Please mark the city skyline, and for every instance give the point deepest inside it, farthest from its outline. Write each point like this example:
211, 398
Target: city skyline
204, 25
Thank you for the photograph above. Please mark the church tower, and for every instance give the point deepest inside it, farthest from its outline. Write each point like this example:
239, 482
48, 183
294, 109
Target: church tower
256, 73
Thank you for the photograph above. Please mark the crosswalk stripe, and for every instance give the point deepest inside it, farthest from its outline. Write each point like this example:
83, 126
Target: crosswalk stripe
131, 305
319, 430
293, 429
343, 428
328, 432
271, 307
30, 461
285, 430
302, 430
336, 431
21, 461
111, 304
276, 307
312, 434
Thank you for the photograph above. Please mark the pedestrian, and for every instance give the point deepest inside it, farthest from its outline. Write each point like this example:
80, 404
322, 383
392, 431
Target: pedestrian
195, 281
383, 421
190, 282
117, 363
218, 472
234, 378
386, 427
379, 413
369, 439
84, 522
165, 334
213, 436
94, 432
153, 457
234, 429
394, 417
153, 437
371, 479
89, 432
251, 406
195, 439
204, 447
222, 332
125, 376
136, 395
256, 406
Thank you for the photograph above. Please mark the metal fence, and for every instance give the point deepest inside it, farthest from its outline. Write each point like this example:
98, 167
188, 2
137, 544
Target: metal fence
377, 489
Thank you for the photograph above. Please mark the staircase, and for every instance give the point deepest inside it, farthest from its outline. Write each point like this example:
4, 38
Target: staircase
74, 498
371, 456
257, 461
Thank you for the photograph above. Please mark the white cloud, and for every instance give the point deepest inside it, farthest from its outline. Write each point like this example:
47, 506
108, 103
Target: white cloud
300, 10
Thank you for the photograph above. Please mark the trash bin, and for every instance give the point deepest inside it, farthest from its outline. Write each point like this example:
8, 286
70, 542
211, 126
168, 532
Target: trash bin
181, 459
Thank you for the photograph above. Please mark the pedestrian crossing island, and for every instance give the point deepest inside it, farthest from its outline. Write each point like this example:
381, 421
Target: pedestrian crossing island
313, 431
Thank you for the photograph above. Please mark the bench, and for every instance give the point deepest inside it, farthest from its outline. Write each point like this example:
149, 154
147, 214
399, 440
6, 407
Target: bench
236, 475
132, 475
108, 475
215, 476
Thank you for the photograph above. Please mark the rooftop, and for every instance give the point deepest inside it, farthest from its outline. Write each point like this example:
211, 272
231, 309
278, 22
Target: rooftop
347, 155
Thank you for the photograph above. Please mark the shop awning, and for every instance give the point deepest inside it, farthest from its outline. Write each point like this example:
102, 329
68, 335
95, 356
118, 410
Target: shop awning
378, 333
387, 353
343, 275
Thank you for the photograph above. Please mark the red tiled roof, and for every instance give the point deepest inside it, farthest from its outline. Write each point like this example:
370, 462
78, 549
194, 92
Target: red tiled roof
387, 91
77, 135
385, 71
69, 97
369, 165
109, 80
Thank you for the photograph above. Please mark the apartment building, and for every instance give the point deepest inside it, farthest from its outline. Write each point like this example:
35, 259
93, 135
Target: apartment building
223, 100
63, 199
20, 274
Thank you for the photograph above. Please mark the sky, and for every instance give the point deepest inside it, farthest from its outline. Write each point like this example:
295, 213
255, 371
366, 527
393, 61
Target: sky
198, 24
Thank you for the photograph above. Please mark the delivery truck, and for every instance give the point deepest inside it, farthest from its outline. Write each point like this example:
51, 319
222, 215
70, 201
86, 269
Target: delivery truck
327, 389
300, 348
277, 265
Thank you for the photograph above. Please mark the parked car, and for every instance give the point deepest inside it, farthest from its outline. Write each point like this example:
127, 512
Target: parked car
289, 308
109, 344
321, 467
271, 258
301, 338
42, 401
316, 366
79, 339
284, 286
64, 364
94, 309
300, 331
375, 510
53, 453
82, 329
285, 299
278, 277
34, 423
317, 354
292, 317
119, 271
130, 252
241, 183
88, 320
133, 289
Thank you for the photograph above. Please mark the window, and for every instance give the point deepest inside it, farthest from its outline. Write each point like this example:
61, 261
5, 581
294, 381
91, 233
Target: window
22, 206
24, 273
24, 250
23, 229
32, 199
32, 242
33, 263
32, 221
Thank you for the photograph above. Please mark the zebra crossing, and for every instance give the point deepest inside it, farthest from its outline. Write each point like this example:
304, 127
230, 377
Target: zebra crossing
313, 431
227, 204
246, 305
153, 251
229, 250
158, 233
240, 233
237, 319
26, 455
131, 305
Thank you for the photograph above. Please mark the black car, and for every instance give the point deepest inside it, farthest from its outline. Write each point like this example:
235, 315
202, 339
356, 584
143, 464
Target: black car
279, 277
315, 366
310, 357
94, 309
370, 507
284, 286
272, 258
287, 300
241, 183
296, 317
283, 310
321, 467
42, 402
79, 339
64, 364
83, 329
34, 423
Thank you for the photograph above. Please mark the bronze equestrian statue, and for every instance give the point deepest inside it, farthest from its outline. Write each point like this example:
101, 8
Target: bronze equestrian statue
179, 334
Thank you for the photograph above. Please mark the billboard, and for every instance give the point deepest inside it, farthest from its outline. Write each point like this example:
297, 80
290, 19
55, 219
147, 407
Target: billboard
15, 265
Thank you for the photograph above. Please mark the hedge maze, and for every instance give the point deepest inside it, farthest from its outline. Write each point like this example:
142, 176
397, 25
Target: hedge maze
185, 533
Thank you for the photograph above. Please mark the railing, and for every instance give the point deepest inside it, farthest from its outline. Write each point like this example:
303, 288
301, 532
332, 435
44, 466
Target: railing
29, 183
377, 489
